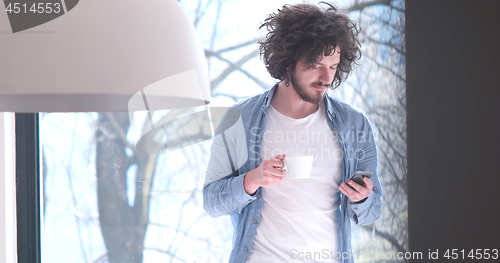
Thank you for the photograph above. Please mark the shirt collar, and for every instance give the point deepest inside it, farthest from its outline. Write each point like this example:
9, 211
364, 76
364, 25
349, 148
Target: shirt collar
329, 105
269, 96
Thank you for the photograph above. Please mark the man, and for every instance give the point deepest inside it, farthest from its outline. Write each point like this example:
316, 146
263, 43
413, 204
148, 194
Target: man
276, 218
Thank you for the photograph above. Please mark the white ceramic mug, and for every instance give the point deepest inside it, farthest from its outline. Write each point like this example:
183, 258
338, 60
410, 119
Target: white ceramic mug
298, 167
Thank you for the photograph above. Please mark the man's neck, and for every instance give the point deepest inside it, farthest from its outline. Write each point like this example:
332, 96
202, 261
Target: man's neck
287, 102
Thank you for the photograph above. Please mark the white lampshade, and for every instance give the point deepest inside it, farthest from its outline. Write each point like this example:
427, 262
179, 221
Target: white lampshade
104, 56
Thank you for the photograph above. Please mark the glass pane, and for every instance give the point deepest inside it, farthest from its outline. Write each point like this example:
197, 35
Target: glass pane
105, 202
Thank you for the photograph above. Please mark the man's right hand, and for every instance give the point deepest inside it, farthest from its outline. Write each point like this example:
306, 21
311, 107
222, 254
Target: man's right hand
266, 174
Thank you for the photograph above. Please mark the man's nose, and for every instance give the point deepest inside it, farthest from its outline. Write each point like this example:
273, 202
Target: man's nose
326, 75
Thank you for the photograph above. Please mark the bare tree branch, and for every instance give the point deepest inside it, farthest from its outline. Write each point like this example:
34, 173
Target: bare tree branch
101, 259
70, 173
200, 12
232, 67
361, 6
398, 9
386, 68
236, 66
387, 237
119, 131
231, 96
240, 45
172, 255
215, 26
385, 43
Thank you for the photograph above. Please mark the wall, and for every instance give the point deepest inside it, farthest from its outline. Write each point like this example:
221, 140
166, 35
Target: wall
7, 189
453, 99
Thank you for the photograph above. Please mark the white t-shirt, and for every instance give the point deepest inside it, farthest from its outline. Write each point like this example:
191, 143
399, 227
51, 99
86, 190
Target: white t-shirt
300, 217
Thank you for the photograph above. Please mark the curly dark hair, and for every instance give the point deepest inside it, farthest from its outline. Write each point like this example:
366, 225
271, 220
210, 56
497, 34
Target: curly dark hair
306, 31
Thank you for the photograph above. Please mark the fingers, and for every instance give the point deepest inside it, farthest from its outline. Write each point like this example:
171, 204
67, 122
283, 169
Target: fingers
274, 178
280, 157
357, 192
349, 192
274, 162
368, 183
271, 171
271, 176
274, 171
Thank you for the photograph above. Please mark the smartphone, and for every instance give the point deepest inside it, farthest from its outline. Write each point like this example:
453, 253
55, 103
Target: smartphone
358, 177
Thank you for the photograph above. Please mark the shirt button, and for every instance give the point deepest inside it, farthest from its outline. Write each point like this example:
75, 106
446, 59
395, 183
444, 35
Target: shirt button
255, 222
356, 208
249, 200
246, 249
259, 196
258, 138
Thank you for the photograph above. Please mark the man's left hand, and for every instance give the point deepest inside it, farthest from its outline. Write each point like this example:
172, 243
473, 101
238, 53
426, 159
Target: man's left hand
359, 192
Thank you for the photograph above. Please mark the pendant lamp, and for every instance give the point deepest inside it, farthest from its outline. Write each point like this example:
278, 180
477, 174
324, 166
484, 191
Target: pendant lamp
96, 55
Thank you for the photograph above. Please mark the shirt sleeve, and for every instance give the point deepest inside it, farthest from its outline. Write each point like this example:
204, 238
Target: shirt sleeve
223, 191
368, 211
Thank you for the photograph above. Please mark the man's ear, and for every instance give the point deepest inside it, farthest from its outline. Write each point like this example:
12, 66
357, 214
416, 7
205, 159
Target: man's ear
286, 79
289, 69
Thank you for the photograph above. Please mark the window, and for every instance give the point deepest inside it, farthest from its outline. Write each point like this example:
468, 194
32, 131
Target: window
84, 195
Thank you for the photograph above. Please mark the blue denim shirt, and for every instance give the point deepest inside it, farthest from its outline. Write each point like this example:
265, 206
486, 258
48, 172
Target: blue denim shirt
236, 151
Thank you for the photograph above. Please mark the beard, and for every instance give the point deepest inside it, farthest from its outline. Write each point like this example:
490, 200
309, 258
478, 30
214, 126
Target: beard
302, 90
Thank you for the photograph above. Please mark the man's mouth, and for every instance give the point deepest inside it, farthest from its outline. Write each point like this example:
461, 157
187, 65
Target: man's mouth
320, 87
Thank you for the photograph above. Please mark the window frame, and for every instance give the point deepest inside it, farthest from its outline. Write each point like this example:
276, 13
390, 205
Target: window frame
28, 187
